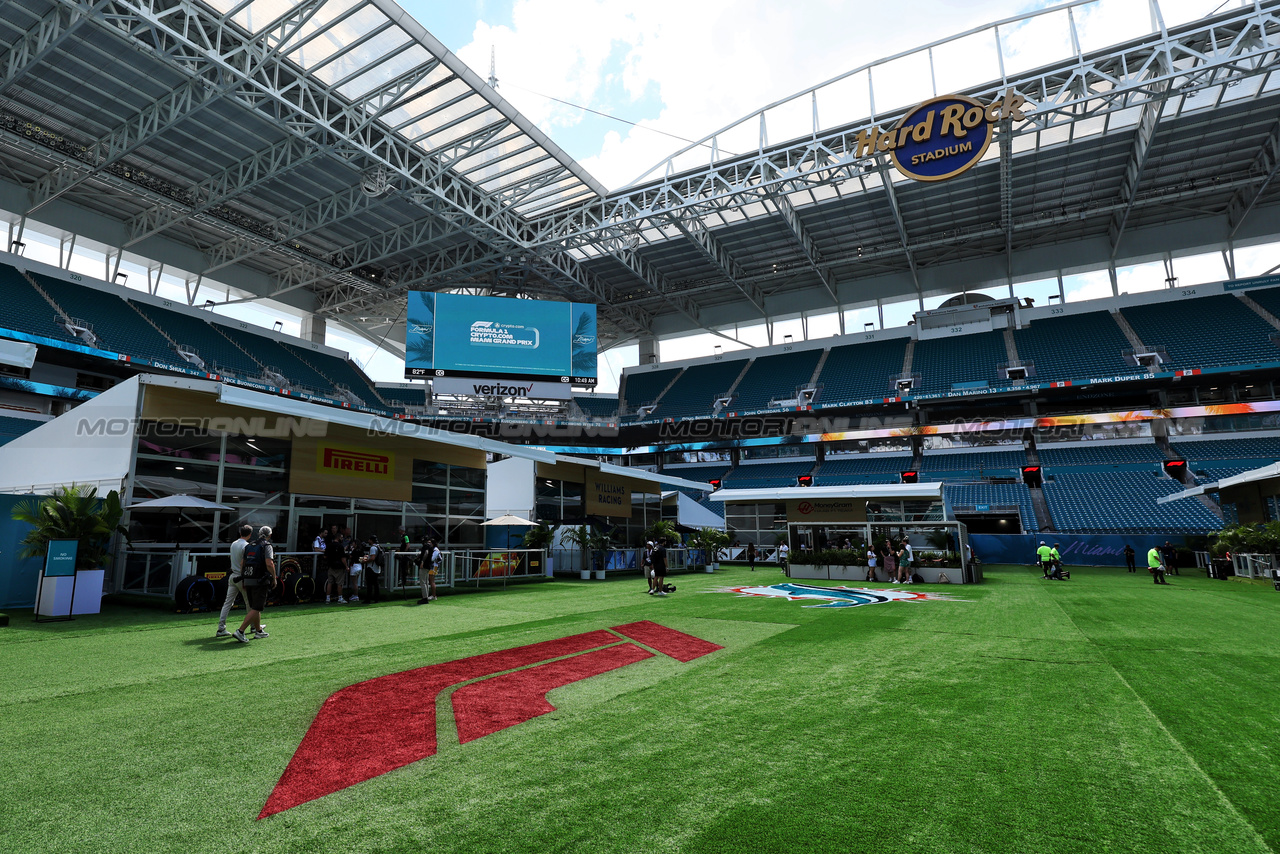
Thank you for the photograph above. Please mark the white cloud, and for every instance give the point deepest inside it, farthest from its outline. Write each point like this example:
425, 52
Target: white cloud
711, 63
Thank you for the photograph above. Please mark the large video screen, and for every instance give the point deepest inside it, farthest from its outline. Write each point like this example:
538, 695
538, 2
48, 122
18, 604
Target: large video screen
457, 335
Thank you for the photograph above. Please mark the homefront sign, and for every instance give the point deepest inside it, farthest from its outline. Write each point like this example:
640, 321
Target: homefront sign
943, 137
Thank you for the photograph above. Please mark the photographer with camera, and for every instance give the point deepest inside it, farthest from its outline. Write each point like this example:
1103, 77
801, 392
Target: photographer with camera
259, 577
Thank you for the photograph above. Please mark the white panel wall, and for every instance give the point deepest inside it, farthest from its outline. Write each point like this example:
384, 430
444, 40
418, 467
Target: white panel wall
91, 444
510, 488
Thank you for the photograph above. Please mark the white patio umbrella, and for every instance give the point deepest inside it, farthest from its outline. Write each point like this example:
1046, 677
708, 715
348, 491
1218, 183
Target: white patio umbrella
178, 502
508, 519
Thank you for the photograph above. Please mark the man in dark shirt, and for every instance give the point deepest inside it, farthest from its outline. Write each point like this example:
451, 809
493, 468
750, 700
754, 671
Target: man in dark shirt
1129, 558
659, 568
335, 565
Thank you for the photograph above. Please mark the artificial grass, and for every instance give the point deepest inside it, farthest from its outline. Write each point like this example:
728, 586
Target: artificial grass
1104, 713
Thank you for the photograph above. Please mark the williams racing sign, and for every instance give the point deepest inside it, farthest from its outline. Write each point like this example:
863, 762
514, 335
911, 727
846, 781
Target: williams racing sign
943, 137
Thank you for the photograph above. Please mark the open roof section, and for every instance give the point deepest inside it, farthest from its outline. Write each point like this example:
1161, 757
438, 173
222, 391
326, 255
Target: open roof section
1165, 142
359, 47
329, 154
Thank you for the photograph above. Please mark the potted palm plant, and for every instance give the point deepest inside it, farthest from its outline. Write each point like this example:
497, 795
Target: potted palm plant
580, 536
542, 536
72, 512
711, 541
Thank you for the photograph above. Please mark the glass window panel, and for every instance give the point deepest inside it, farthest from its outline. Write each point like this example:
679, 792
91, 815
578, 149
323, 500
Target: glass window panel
512, 178
338, 36
430, 473
256, 481
466, 477
398, 65
360, 57
462, 130
514, 144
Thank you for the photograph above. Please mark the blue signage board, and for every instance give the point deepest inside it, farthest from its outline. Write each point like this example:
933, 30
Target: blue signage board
459, 335
61, 558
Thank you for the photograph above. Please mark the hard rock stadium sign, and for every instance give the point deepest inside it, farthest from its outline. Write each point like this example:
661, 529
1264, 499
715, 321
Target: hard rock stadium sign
943, 137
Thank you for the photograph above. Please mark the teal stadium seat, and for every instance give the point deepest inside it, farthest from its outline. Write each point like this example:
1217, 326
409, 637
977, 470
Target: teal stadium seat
774, 377
1213, 331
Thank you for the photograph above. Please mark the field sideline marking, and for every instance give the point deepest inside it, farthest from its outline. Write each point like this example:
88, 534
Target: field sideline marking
1213, 784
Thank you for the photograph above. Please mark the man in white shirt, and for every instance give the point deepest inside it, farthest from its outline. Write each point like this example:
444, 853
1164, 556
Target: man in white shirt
235, 586
784, 551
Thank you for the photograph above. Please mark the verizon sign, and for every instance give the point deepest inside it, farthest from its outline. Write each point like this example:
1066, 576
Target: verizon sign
502, 387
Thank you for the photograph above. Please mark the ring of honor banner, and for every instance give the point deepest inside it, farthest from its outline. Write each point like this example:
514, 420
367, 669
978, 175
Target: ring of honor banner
458, 335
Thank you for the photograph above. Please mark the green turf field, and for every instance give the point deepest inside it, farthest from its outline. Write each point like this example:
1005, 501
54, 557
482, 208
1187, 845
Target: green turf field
1100, 714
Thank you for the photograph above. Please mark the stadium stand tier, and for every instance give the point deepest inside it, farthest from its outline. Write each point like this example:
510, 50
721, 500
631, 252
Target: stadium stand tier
862, 468
1120, 502
1260, 448
1100, 455
11, 428
694, 393
1210, 331
971, 495
215, 348
768, 475
404, 396
643, 388
597, 407
943, 363
861, 371
1075, 346
337, 370
975, 462
24, 310
118, 326
774, 378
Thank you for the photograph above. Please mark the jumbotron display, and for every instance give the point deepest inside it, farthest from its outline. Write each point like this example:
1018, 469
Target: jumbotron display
457, 335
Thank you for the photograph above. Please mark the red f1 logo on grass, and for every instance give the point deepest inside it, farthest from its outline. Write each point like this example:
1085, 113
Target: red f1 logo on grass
399, 710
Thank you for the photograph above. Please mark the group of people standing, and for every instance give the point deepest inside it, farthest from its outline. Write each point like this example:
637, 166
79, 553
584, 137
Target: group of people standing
895, 558
347, 560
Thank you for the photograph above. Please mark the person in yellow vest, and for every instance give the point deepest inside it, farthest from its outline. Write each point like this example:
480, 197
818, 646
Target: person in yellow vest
1055, 565
1044, 558
1155, 565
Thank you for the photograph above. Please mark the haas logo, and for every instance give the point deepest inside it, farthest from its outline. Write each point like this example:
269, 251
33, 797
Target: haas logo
805, 507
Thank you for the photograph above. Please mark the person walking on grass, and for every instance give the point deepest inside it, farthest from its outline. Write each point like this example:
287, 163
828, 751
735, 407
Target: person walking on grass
1129, 555
259, 577
1155, 565
235, 584
659, 569
751, 556
871, 562
784, 555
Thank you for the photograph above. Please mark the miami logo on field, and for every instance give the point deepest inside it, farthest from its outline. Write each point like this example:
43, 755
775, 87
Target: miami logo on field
838, 597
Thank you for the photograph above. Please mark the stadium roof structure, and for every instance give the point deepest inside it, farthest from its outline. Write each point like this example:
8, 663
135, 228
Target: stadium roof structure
331, 154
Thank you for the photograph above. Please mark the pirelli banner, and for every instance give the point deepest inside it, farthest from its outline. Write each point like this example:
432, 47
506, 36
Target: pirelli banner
348, 464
